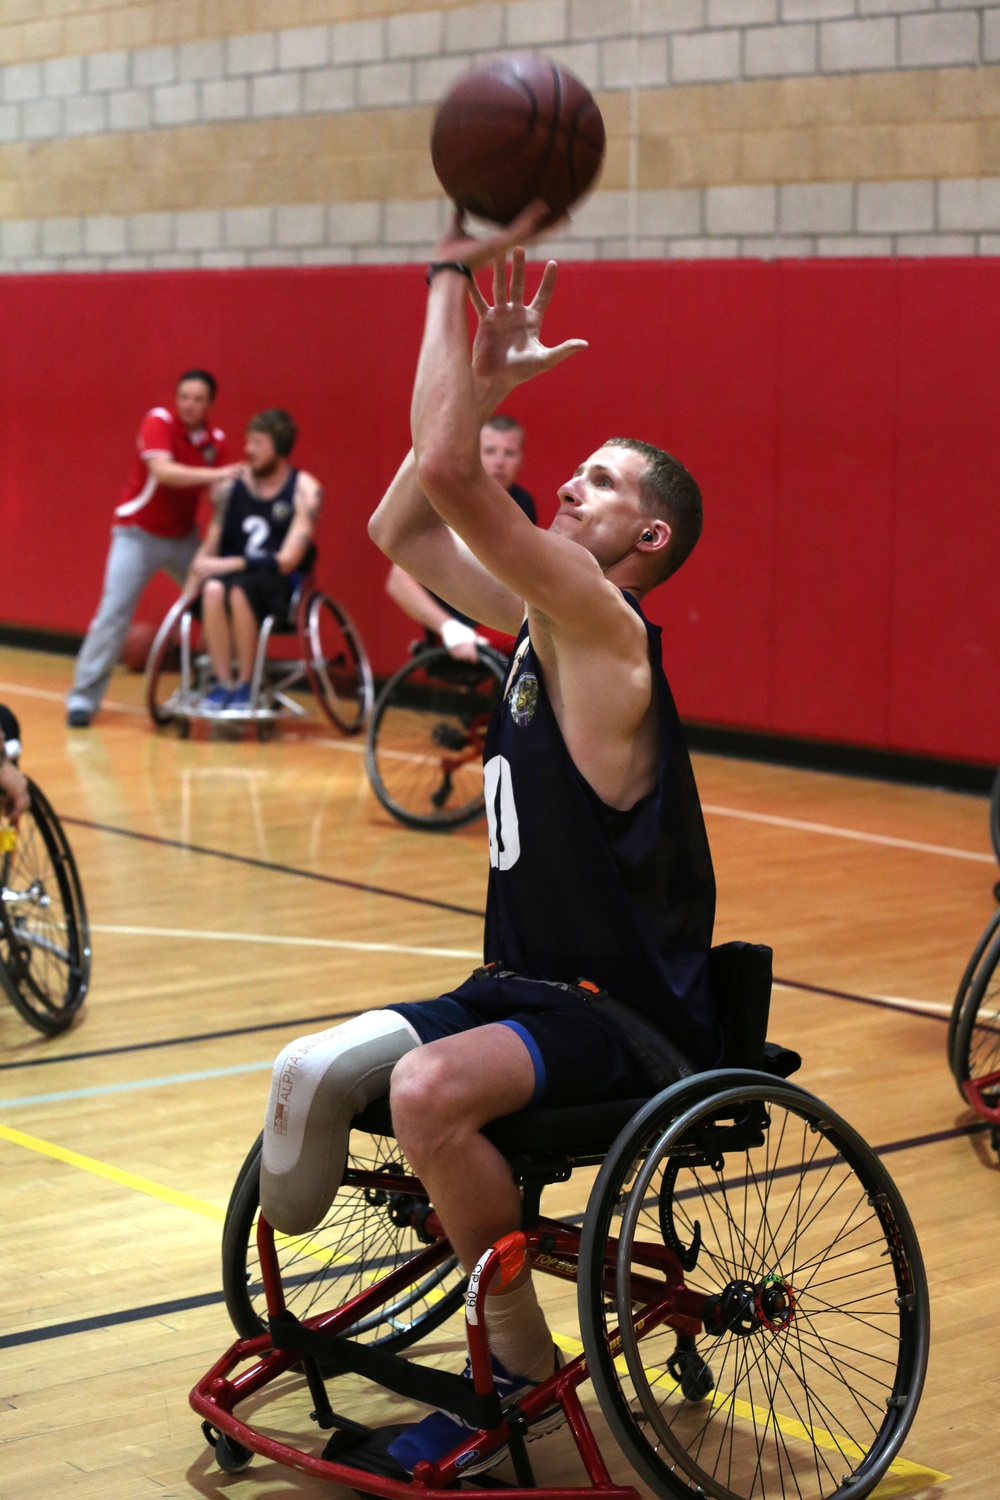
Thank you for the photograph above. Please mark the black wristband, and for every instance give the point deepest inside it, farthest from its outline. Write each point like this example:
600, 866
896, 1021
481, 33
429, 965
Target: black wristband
262, 562
447, 265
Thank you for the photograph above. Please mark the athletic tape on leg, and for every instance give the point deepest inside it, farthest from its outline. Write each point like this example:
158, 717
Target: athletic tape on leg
319, 1084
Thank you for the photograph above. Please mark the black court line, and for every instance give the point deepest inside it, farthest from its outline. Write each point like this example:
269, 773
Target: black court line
178, 1041
207, 1299
264, 864
344, 1015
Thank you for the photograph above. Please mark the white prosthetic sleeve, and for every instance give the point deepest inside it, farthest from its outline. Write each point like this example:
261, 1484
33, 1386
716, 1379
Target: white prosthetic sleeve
319, 1084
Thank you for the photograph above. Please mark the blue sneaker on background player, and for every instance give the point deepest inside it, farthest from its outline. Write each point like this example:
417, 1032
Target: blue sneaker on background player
239, 699
217, 701
439, 1433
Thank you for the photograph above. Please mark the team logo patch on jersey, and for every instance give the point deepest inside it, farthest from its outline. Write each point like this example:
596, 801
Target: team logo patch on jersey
208, 453
281, 510
524, 699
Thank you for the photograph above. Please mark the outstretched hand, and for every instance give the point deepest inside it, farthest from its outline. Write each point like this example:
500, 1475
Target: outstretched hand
508, 349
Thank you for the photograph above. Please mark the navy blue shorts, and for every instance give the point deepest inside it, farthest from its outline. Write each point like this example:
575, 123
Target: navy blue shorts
579, 1055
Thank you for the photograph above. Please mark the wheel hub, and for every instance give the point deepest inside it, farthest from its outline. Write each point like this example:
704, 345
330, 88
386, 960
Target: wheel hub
745, 1307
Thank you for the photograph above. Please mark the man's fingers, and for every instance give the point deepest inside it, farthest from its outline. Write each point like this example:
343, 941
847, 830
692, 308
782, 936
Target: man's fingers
500, 280
477, 299
517, 275
546, 287
563, 351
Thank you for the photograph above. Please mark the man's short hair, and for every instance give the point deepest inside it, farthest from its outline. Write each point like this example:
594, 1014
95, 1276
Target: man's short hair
205, 378
669, 491
502, 423
278, 426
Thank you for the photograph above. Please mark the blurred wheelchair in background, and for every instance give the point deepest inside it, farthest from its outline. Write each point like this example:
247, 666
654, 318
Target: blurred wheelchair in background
44, 936
424, 752
315, 646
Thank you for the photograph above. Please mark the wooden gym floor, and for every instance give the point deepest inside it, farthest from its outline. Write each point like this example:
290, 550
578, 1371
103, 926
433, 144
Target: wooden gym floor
241, 893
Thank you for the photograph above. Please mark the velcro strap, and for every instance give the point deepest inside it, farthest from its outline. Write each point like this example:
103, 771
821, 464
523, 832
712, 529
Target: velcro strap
436, 1388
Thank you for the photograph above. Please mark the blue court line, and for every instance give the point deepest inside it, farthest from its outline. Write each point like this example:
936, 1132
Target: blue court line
136, 1084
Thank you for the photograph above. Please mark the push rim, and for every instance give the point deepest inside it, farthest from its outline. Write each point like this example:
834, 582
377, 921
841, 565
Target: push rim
336, 664
365, 1235
801, 1233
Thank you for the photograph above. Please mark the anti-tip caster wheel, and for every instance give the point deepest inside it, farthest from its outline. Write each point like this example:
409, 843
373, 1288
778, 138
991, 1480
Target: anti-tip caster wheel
230, 1455
692, 1373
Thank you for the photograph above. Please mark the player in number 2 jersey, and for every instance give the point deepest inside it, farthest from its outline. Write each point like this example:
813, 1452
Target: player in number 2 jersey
599, 861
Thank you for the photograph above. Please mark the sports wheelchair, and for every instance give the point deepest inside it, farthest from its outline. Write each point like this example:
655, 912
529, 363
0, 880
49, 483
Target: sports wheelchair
974, 1030
751, 1295
424, 751
44, 936
332, 660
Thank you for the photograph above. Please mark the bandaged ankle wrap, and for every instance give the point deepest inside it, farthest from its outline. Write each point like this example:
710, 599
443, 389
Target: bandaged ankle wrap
319, 1084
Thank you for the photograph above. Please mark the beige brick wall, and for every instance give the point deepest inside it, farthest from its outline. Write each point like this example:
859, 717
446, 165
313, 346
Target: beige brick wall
32, 30
231, 132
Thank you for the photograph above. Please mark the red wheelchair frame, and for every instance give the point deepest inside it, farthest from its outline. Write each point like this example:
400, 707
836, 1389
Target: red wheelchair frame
850, 1270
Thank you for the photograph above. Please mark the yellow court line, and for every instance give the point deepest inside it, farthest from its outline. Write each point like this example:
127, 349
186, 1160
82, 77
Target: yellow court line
113, 1174
903, 1476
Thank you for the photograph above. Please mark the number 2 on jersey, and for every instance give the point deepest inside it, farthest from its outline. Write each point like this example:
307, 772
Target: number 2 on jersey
501, 814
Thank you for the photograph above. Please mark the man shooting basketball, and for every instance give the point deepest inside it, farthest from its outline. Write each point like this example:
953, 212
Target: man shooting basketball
599, 862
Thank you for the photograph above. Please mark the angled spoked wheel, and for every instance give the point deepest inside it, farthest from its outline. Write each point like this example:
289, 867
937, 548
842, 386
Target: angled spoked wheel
806, 1373
44, 937
366, 1233
170, 687
975, 1055
425, 740
965, 984
336, 662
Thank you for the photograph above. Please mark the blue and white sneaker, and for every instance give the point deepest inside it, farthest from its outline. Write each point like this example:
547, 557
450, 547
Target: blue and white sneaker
439, 1433
239, 699
217, 701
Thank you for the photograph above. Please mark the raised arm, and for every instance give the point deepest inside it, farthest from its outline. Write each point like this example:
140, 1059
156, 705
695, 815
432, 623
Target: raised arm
546, 570
509, 351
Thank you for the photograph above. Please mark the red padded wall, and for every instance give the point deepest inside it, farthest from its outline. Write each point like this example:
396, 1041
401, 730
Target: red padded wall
840, 417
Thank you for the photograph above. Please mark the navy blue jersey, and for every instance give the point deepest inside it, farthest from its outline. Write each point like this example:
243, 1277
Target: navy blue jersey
581, 890
255, 528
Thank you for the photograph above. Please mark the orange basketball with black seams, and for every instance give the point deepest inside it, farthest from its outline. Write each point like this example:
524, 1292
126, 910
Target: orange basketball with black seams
519, 129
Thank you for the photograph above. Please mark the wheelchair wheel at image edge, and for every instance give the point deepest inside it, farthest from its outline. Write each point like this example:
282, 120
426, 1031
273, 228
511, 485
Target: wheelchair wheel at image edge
323, 1268
976, 1052
962, 992
804, 1244
44, 958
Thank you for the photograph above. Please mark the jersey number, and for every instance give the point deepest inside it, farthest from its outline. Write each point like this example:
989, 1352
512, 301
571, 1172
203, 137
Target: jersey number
257, 530
501, 814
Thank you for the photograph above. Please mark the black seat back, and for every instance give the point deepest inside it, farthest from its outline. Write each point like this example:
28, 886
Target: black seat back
739, 975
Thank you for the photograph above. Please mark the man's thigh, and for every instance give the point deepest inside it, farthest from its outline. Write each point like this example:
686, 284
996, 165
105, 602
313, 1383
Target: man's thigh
472, 1077
578, 1055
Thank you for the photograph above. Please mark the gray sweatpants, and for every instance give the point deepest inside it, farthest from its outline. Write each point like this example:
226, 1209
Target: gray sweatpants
133, 558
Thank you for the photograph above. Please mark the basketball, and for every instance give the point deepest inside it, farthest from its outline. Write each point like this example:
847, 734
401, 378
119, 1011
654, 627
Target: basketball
135, 651
520, 129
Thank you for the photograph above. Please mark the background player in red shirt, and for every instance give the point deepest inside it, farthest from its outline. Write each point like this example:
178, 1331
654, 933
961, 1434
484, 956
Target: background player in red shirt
179, 452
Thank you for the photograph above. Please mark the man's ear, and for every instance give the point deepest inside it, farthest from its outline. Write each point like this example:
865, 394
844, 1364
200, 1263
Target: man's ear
655, 536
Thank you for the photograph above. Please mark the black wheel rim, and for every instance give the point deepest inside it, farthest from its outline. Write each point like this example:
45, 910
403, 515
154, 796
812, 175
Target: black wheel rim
802, 1236
977, 1044
357, 1242
424, 752
337, 665
44, 941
